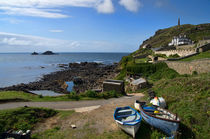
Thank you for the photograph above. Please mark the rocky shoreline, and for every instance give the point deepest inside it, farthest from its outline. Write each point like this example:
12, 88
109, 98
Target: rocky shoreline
86, 76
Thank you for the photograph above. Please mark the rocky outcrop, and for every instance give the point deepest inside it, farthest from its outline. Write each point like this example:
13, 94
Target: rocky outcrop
34, 53
91, 75
48, 53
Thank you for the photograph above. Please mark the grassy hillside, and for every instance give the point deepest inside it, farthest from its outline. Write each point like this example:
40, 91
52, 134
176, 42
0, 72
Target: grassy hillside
163, 36
189, 98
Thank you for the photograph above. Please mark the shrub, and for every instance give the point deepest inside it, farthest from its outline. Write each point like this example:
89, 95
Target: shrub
194, 73
23, 118
174, 56
92, 94
73, 95
40, 96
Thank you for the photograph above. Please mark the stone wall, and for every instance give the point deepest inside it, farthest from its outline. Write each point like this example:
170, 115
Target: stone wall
179, 52
185, 67
204, 48
116, 85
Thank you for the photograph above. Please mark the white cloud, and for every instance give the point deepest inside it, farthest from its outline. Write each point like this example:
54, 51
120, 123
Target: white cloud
52, 8
10, 42
43, 8
105, 6
131, 5
56, 30
47, 13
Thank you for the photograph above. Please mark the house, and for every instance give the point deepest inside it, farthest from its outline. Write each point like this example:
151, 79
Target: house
180, 40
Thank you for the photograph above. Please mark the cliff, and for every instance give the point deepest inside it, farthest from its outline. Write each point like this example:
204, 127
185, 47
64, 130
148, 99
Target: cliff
163, 36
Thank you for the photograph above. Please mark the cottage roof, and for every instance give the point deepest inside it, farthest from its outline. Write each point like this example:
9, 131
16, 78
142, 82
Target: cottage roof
138, 81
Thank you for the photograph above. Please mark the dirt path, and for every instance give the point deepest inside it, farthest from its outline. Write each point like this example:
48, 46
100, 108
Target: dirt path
89, 123
67, 105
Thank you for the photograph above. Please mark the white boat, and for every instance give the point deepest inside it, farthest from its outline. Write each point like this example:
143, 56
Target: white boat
127, 119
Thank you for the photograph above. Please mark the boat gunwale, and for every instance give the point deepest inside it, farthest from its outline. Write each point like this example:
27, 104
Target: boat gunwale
169, 120
127, 123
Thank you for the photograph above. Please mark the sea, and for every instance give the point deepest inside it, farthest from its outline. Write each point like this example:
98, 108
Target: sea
16, 68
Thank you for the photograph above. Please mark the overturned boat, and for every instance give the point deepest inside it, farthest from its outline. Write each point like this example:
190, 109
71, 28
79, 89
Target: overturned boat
159, 118
127, 119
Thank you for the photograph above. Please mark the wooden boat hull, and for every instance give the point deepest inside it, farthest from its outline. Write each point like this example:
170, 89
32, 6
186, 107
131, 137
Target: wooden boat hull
131, 130
129, 122
166, 125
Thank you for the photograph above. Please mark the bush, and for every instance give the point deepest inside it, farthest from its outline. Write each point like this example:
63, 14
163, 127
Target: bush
109, 94
40, 96
23, 118
194, 73
166, 73
146, 69
174, 56
92, 94
73, 95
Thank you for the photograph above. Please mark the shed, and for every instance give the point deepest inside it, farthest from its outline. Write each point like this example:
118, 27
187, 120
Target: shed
138, 84
116, 85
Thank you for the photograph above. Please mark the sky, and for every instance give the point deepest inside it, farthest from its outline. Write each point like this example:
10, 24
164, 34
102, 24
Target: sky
91, 25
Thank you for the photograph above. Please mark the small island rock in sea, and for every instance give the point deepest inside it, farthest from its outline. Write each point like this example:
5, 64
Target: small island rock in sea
48, 53
34, 53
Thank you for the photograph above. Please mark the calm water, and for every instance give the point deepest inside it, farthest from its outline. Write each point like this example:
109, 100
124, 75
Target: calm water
24, 68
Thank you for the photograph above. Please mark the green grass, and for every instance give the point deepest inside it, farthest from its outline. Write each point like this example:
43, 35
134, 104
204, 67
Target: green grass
11, 96
189, 98
141, 60
23, 118
199, 56
64, 114
22, 96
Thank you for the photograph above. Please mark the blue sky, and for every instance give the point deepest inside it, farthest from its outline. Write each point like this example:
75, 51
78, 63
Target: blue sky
91, 25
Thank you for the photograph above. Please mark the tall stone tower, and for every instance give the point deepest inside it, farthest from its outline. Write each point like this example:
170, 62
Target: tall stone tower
179, 22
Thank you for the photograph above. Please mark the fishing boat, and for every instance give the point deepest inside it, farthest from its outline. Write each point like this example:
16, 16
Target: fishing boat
127, 119
159, 118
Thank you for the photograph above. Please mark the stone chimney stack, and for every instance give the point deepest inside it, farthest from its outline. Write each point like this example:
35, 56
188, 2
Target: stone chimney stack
179, 22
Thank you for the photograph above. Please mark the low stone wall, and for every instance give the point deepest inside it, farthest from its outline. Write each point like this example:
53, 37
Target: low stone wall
204, 48
116, 85
185, 67
179, 52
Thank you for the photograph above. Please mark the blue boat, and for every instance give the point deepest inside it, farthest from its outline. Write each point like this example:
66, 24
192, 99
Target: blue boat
127, 119
159, 118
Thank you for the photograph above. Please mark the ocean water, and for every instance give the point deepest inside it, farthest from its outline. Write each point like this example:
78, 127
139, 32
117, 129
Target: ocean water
16, 68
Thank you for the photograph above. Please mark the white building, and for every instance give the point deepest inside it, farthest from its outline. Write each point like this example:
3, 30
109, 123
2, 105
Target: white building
180, 40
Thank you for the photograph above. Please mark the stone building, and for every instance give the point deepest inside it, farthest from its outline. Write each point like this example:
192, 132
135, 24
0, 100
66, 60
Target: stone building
116, 85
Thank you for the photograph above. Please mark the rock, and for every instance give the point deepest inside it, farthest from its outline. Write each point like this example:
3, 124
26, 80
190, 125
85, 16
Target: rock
48, 53
34, 53
78, 80
85, 76
73, 126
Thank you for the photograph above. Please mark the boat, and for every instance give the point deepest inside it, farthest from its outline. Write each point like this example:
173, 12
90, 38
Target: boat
159, 118
128, 119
